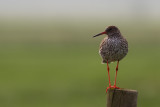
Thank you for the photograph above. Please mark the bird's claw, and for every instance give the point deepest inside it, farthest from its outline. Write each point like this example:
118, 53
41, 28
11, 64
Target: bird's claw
112, 87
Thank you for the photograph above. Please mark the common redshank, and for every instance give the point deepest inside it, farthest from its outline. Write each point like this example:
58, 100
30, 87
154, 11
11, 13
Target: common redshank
113, 48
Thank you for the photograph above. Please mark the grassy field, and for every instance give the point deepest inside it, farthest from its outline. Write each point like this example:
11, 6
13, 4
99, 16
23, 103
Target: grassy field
57, 64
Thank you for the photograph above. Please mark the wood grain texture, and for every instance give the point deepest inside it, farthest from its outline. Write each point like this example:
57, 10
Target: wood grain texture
122, 98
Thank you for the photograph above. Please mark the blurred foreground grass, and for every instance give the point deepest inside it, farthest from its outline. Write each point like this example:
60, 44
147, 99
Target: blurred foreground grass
57, 65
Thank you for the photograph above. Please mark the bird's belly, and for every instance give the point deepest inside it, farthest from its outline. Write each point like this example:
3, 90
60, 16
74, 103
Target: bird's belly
112, 53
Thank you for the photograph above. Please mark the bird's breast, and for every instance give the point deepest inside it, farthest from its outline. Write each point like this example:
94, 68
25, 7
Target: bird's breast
113, 48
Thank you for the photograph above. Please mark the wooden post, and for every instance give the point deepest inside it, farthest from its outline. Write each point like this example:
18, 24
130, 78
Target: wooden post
121, 98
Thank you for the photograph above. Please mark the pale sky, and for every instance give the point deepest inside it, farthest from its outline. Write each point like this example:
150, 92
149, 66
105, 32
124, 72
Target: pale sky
47, 8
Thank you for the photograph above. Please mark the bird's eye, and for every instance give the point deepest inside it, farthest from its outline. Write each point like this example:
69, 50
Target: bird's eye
110, 29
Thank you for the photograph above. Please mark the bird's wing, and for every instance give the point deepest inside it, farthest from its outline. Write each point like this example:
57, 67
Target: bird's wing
103, 42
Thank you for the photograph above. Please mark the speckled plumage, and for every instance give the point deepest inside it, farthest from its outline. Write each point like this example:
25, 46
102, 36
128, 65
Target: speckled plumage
114, 47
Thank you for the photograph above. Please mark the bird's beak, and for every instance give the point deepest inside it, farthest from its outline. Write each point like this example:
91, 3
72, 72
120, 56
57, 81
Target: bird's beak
100, 34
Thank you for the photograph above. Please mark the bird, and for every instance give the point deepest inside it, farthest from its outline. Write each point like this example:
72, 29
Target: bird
113, 48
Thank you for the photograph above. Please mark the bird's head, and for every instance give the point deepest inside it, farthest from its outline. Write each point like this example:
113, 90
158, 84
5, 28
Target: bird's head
109, 31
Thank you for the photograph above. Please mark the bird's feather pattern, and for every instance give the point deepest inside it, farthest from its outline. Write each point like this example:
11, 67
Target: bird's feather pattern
113, 48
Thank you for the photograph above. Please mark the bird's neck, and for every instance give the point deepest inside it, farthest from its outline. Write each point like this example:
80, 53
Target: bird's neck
114, 35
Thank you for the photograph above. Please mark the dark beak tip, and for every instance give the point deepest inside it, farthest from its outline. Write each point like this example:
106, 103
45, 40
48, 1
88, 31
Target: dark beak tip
99, 34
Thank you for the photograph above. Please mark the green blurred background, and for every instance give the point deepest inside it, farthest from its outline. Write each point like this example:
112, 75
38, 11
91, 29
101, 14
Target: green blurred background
48, 57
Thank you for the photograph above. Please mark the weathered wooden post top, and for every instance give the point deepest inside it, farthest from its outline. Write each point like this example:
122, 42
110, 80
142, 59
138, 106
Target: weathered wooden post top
121, 98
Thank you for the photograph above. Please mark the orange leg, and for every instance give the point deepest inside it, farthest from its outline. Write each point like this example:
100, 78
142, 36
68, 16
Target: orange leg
115, 87
116, 76
108, 76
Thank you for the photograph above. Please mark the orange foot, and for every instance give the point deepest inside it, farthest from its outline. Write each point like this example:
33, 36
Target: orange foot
112, 87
